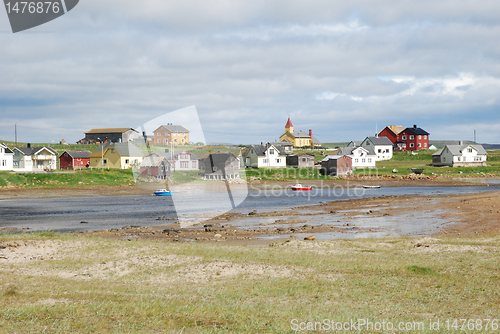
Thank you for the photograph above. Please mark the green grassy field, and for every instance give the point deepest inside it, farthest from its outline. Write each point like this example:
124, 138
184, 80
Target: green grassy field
60, 284
112, 177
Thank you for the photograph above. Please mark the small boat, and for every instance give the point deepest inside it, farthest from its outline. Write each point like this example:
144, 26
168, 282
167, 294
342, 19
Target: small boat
417, 170
299, 187
163, 192
371, 187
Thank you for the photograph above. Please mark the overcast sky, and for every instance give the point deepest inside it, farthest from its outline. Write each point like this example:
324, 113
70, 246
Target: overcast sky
340, 68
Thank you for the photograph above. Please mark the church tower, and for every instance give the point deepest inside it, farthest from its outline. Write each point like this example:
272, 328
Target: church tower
289, 126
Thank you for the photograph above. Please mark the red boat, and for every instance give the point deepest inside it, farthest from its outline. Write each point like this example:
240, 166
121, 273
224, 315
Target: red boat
299, 187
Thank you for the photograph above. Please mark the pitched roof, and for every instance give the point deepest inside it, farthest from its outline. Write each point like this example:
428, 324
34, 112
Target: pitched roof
110, 130
261, 149
6, 148
457, 149
354, 143
349, 149
396, 129
173, 128
334, 157
300, 154
78, 154
314, 140
123, 149
33, 150
288, 123
418, 131
193, 156
379, 140
152, 160
300, 134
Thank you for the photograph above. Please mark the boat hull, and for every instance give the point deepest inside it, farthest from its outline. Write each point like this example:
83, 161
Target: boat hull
163, 193
301, 188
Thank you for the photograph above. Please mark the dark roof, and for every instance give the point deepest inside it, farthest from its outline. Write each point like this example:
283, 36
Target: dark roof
78, 154
299, 154
300, 134
33, 150
416, 130
7, 149
261, 149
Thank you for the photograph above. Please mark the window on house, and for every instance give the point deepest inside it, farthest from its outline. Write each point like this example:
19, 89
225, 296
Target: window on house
425, 144
419, 145
404, 138
458, 158
194, 164
271, 151
184, 164
419, 136
469, 150
105, 161
264, 161
412, 137
112, 150
127, 161
278, 161
411, 145
369, 159
356, 160
379, 150
363, 160
175, 140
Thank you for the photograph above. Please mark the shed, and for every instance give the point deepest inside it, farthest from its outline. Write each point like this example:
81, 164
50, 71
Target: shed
336, 165
300, 160
74, 159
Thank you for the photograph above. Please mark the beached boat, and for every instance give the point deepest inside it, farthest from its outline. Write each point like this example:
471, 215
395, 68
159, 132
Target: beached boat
163, 192
299, 187
371, 187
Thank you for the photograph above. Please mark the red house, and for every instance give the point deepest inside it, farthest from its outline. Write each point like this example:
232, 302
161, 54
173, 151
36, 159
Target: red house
74, 159
413, 139
392, 132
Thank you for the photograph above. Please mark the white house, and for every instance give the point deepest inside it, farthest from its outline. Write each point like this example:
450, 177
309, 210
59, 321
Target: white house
6, 158
29, 159
381, 146
265, 155
361, 156
460, 155
184, 160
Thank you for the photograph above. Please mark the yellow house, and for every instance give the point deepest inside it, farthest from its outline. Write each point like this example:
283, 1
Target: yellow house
298, 138
116, 155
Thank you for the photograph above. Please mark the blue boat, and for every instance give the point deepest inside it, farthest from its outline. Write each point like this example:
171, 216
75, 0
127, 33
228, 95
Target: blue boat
163, 192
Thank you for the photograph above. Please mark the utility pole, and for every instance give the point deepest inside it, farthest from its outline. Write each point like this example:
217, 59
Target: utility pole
475, 136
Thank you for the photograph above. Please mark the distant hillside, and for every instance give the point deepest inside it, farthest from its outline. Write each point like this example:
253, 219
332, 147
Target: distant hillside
442, 143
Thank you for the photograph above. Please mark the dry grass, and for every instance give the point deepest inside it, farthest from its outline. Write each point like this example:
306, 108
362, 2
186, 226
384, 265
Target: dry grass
57, 283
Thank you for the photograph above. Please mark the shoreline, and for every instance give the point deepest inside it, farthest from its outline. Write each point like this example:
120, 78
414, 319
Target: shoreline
7, 193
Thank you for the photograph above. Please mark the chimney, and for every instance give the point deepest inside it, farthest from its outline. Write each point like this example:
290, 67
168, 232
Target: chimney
414, 126
460, 142
29, 145
310, 133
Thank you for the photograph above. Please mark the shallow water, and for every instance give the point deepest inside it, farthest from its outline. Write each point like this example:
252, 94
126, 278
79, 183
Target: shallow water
93, 213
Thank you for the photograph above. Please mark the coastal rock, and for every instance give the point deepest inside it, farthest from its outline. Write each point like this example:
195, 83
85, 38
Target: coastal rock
310, 237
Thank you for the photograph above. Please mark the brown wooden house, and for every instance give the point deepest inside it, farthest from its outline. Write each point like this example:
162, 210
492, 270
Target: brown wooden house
336, 165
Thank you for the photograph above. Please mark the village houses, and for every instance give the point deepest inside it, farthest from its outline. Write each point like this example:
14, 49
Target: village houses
265, 155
